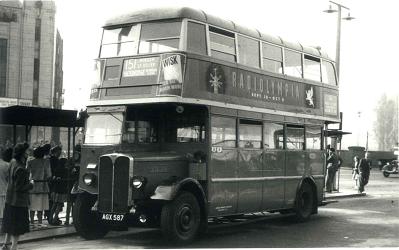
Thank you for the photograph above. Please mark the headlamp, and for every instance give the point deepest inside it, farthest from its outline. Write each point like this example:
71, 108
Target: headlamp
138, 181
89, 179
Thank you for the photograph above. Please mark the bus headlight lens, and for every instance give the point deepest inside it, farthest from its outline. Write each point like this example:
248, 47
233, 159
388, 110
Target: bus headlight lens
138, 181
89, 179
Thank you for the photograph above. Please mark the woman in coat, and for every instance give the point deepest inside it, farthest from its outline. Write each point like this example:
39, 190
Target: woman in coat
39, 171
16, 216
4, 164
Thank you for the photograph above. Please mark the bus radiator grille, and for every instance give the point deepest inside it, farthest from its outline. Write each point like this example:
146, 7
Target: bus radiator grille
113, 184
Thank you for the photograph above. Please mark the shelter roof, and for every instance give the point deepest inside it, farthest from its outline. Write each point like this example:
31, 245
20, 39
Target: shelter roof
36, 116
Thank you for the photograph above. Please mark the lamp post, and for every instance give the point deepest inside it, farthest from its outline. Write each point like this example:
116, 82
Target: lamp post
338, 41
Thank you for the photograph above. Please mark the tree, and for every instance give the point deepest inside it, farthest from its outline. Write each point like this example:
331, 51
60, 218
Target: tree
386, 124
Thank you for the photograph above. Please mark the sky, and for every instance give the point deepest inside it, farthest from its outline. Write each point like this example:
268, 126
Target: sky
368, 55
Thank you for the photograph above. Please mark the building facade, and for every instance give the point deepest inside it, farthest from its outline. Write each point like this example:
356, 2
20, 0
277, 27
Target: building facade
30, 59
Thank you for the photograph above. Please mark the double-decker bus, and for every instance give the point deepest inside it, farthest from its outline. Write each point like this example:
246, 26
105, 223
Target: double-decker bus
194, 117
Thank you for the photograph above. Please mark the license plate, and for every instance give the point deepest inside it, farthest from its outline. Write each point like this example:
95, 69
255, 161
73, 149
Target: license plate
113, 217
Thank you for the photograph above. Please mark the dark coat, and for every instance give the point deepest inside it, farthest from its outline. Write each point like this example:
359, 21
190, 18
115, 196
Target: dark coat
61, 181
18, 185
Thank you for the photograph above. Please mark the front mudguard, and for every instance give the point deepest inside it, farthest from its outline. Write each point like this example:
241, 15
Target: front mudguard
389, 169
169, 189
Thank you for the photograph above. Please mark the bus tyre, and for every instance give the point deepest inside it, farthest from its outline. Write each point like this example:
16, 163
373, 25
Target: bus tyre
304, 203
180, 219
87, 223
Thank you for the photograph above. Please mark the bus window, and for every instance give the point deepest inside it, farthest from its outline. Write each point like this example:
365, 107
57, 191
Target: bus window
272, 58
222, 44
140, 127
120, 41
328, 73
196, 38
295, 138
313, 138
311, 68
223, 132
159, 37
250, 134
273, 135
185, 128
248, 51
293, 63
103, 128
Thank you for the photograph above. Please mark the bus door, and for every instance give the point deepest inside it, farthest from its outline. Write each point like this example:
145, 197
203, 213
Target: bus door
223, 167
295, 161
250, 166
273, 166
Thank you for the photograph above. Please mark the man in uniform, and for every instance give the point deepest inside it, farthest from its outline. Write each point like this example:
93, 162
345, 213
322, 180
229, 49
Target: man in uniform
333, 163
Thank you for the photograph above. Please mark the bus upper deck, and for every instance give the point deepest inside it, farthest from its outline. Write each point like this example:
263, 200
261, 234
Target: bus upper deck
186, 55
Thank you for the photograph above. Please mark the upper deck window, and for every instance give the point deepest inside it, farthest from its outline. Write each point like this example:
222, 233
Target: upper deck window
248, 51
159, 37
272, 58
196, 38
293, 63
140, 38
328, 73
311, 68
222, 44
120, 41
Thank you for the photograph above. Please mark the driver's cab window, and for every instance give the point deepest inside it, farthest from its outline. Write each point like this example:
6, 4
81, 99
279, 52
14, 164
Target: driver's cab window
141, 126
187, 125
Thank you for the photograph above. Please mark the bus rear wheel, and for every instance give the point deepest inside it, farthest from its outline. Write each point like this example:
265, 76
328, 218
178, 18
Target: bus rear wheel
180, 219
304, 203
87, 223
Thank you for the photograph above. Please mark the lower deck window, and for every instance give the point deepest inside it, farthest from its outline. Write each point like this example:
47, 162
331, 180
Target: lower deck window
273, 135
250, 134
295, 138
313, 138
223, 132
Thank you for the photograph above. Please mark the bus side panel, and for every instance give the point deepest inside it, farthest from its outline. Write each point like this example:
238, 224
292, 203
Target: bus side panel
249, 192
223, 187
273, 186
317, 168
294, 171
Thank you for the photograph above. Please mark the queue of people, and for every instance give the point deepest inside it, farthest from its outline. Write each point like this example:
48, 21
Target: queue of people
32, 182
360, 171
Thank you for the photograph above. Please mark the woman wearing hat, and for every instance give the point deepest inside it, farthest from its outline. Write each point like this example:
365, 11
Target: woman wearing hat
39, 170
16, 216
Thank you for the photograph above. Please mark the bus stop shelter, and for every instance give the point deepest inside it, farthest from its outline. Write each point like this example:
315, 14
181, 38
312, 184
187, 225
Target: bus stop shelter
36, 116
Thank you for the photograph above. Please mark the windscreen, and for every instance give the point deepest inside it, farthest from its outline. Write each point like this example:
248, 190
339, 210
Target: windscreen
104, 128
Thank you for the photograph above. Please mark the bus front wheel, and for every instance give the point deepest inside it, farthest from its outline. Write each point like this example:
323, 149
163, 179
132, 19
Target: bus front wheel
86, 221
180, 219
304, 203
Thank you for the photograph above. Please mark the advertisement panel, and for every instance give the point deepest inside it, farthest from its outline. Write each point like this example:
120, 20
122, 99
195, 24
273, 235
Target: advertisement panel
171, 75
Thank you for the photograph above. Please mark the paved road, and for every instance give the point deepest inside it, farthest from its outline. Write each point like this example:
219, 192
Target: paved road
368, 221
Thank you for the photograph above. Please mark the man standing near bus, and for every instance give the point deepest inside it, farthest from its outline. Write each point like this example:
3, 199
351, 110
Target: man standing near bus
333, 163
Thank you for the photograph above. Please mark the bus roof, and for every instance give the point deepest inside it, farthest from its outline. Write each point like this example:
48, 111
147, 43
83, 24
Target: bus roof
154, 14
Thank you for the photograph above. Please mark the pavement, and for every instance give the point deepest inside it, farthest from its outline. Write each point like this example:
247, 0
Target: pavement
45, 231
